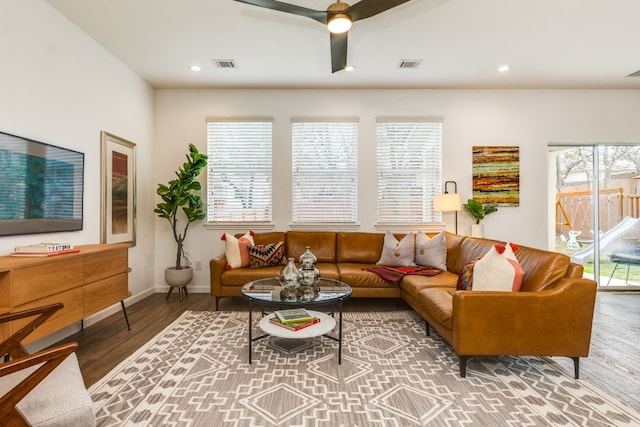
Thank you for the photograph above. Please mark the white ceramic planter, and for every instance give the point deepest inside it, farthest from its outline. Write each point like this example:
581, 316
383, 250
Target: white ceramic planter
477, 230
178, 278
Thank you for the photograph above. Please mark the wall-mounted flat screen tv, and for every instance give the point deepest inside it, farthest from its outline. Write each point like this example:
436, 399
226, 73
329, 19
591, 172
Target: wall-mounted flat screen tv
41, 187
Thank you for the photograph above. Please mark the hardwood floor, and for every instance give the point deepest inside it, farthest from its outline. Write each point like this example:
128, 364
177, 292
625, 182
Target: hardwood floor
612, 365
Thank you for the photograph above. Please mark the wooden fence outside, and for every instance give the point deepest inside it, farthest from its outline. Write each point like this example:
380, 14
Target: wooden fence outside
574, 210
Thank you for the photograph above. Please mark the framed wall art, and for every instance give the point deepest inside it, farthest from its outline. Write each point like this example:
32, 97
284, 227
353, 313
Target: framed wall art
496, 175
118, 190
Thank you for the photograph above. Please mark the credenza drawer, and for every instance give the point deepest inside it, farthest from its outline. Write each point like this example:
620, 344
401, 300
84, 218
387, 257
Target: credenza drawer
69, 314
46, 279
104, 293
102, 265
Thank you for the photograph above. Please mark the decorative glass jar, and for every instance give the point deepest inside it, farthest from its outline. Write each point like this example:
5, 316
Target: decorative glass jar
290, 276
310, 274
308, 257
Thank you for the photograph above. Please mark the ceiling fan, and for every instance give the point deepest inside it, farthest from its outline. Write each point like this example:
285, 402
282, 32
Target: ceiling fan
338, 18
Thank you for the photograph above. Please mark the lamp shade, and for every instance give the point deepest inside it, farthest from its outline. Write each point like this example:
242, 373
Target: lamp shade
447, 202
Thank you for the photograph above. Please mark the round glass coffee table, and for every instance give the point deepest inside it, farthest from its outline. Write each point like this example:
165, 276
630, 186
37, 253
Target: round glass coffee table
267, 293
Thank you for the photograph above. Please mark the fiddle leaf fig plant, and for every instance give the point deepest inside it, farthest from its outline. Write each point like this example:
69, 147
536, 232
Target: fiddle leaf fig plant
181, 204
478, 211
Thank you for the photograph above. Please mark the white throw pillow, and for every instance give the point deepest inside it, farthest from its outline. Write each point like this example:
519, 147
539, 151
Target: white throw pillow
397, 253
431, 251
498, 270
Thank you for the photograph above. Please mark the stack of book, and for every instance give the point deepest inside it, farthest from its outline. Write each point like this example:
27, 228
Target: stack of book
43, 250
294, 319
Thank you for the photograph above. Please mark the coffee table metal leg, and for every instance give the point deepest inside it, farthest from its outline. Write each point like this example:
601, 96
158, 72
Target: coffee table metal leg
340, 335
250, 328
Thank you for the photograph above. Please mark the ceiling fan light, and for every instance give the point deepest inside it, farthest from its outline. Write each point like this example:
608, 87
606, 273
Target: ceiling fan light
339, 23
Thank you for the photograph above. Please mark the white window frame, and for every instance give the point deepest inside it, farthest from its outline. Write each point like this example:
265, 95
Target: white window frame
240, 152
334, 182
409, 171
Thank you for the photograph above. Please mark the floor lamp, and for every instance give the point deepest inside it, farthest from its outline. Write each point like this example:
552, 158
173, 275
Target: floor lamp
448, 202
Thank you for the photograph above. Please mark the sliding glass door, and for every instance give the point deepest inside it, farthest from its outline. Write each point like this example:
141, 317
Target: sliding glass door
594, 193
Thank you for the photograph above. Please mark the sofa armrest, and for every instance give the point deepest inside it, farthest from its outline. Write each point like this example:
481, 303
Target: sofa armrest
553, 322
216, 268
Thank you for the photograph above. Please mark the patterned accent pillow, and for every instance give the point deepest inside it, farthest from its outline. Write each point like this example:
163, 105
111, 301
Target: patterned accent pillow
465, 278
266, 255
397, 253
237, 249
431, 251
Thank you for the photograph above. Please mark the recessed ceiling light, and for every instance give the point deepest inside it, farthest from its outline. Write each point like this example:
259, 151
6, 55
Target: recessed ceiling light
349, 68
504, 68
194, 67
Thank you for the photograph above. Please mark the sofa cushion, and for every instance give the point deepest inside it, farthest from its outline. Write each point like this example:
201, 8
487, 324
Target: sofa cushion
266, 255
453, 242
239, 277
398, 253
236, 249
356, 275
439, 304
498, 270
542, 269
322, 244
431, 251
359, 247
414, 284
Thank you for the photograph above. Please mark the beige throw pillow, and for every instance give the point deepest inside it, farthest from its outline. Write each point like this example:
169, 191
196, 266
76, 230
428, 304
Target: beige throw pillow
431, 251
397, 253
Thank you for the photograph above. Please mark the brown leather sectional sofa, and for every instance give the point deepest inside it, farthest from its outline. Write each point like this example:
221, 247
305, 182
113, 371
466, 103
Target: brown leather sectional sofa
551, 315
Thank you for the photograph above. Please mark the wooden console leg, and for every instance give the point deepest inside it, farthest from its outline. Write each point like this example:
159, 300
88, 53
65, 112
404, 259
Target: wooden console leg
126, 318
428, 329
576, 367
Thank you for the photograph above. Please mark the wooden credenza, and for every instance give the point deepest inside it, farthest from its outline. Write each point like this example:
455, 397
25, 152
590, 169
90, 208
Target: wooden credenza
85, 282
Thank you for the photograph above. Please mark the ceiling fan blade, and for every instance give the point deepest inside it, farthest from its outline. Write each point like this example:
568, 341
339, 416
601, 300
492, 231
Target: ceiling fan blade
368, 8
338, 51
317, 15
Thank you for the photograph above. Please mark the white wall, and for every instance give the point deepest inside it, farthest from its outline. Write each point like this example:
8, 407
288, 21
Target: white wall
59, 87
527, 118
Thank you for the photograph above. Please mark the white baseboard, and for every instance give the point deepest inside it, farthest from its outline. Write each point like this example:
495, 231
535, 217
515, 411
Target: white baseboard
163, 289
115, 308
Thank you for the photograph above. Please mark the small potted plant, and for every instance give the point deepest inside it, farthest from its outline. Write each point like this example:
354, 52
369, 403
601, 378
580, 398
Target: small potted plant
478, 211
181, 205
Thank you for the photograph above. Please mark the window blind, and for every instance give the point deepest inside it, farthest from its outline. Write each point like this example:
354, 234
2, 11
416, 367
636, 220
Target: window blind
324, 171
240, 171
409, 161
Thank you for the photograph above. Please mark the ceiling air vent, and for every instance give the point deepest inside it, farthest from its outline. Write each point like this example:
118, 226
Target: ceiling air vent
410, 63
225, 63
636, 74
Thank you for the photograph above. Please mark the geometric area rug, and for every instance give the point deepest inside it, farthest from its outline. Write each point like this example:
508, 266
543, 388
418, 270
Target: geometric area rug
196, 373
